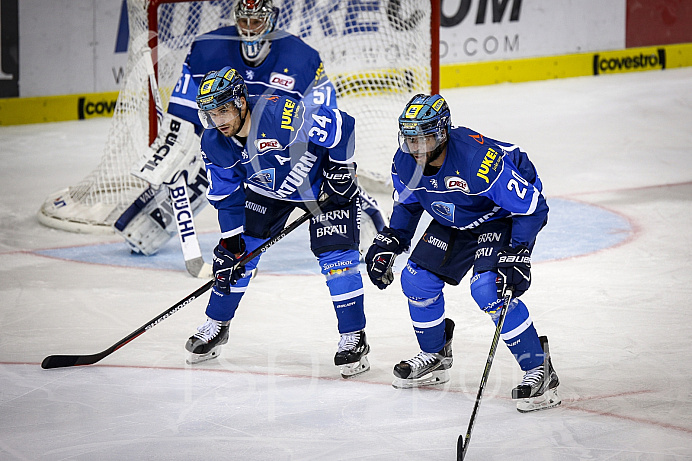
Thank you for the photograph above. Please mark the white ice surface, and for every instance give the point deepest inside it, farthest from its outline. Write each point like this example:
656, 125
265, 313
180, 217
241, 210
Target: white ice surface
618, 319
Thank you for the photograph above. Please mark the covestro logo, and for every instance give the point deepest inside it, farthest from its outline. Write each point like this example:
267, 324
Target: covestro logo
625, 61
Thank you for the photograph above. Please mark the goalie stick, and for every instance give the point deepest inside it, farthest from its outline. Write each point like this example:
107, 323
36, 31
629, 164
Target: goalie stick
194, 262
62, 361
187, 235
463, 442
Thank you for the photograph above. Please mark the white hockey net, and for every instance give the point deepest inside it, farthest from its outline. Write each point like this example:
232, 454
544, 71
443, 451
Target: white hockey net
377, 54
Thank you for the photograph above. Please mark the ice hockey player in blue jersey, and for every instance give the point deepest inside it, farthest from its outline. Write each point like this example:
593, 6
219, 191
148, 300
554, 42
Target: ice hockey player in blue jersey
269, 61
487, 207
287, 154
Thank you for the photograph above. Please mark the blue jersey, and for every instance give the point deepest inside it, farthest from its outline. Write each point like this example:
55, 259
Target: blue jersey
292, 68
481, 180
283, 158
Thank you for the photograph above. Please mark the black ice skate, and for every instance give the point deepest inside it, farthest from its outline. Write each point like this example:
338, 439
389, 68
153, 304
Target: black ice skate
351, 356
206, 343
426, 369
538, 389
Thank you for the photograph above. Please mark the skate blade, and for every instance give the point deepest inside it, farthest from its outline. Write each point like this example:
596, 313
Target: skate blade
431, 379
193, 359
352, 369
549, 399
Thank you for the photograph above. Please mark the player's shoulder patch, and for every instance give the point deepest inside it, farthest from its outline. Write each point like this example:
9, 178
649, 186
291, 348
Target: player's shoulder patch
485, 167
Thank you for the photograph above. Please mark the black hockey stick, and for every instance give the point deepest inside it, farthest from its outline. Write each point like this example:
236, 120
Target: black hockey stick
61, 361
463, 442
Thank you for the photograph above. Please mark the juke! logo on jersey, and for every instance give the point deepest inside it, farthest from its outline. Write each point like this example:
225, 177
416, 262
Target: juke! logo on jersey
487, 164
287, 115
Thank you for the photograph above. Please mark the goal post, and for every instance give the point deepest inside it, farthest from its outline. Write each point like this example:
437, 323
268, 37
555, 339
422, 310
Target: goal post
377, 53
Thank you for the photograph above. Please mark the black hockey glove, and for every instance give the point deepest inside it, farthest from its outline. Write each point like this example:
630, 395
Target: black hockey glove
380, 258
226, 255
340, 180
513, 270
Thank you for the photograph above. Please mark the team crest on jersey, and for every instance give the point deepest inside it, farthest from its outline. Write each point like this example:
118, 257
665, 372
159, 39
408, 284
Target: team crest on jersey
444, 209
264, 178
456, 183
267, 144
283, 81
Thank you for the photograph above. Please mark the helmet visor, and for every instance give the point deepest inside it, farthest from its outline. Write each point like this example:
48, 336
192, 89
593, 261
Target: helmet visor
219, 116
421, 144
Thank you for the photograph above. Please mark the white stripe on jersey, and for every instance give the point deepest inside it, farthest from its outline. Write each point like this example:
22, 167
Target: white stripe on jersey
518, 330
337, 136
183, 102
232, 232
349, 295
431, 324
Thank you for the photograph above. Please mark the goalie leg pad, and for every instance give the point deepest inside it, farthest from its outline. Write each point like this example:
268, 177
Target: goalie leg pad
150, 221
143, 224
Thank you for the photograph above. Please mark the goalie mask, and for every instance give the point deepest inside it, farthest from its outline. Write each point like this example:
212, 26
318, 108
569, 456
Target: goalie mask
220, 100
423, 127
254, 19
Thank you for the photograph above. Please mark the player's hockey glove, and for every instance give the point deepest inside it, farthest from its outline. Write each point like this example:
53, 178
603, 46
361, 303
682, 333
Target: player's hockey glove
380, 257
340, 181
513, 270
226, 256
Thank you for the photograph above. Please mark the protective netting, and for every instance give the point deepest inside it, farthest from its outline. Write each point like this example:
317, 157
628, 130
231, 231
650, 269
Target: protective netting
376, 53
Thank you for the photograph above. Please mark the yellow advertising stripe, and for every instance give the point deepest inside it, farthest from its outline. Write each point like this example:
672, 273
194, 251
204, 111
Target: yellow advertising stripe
571, 65
20, 111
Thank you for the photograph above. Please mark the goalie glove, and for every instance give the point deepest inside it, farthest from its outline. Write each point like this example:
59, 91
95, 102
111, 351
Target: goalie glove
340, 180
227, 254
380, 258
513, 270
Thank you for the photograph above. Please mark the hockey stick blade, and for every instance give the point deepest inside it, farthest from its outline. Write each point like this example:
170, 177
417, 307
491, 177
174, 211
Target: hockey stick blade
63, 361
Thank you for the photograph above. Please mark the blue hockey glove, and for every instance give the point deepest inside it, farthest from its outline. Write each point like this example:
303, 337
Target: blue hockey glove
380, 258
513, 270
226, 255
340, 180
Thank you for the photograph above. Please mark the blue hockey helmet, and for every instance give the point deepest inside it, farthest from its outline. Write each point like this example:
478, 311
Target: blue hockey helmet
254, 19
423, 116
220, 91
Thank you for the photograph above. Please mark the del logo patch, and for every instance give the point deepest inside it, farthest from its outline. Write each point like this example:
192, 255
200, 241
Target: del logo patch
444, 209
456, 183
282, 81
264, 178
263, 145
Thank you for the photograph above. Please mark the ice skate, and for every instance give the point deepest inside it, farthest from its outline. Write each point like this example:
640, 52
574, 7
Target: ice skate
426, 369
206, 343
538, 388
351, 355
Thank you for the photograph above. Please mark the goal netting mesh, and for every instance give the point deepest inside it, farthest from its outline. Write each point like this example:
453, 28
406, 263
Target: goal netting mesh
376, 53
